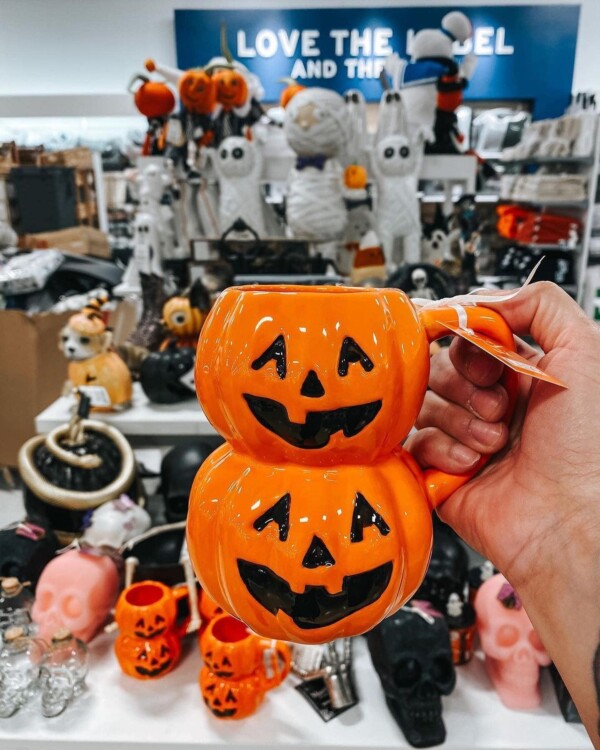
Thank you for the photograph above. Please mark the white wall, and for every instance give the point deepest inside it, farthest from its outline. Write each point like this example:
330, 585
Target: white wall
93, 46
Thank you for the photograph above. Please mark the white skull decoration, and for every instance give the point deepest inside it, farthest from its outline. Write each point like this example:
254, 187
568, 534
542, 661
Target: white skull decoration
512, 648
76, 591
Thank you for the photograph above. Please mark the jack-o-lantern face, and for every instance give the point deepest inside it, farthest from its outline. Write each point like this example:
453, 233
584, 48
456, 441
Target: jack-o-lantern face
231, 88
146, 659
181, 318
230, 699
303, 379
305, 564
146, 610
197, 91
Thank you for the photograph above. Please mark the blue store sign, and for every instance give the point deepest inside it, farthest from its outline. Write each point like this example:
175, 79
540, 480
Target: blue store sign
524, 52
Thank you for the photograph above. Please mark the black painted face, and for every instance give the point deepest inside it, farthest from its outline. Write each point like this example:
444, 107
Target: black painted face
315, 607
412, 656
222, 669
150, 665
150, 627
319, 426
218, 706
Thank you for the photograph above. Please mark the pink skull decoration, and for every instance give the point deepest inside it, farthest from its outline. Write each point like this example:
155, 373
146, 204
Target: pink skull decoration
512, 648
76, 591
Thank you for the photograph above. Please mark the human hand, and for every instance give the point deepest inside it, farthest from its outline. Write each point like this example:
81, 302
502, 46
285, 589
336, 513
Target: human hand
540, 492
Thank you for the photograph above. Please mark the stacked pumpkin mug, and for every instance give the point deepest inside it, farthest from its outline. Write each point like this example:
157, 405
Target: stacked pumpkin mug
239, 667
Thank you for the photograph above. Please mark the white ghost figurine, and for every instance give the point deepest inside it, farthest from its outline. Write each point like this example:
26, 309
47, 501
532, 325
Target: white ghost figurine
356, 112
395, 164
238, 165
391, 118
316, 127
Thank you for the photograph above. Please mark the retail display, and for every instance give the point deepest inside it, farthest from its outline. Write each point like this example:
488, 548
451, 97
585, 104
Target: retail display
513, 650
275, 573
411, 654
94, 367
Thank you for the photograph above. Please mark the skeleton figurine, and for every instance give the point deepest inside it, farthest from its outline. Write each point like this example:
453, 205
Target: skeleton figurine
411, 654
238, 165
420, 280
395, 164
312, 662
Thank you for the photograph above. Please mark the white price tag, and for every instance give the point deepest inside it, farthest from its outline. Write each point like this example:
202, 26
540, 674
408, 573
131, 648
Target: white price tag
97, 394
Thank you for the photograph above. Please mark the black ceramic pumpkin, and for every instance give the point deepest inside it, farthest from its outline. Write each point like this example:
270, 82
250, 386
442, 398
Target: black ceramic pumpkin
167, 377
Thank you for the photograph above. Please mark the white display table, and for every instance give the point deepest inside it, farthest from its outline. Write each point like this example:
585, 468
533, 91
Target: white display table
168, 713
142, 422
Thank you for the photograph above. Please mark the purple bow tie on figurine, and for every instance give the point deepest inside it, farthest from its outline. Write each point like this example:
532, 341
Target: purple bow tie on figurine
318, 162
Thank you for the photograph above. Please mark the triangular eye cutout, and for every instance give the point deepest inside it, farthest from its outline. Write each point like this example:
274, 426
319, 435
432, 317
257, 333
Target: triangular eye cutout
349, 353
279, 514
364, 516
230, 698
275, 351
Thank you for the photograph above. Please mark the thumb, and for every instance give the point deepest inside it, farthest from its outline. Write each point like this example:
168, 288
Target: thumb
545, 312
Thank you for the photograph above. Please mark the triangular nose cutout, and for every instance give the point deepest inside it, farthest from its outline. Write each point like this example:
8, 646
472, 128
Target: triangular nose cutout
312, 386
317, 555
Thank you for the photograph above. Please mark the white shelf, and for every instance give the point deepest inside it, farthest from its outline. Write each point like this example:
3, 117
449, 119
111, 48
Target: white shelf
168, 714
144, 419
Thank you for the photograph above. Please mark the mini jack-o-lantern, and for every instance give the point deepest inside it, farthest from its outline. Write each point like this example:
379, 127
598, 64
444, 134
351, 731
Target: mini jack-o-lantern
184, 316
230, 87
355, 177
312, 523
231, 651
197, 91
154, 99
289, 92
146, 609
147, 659
230, 699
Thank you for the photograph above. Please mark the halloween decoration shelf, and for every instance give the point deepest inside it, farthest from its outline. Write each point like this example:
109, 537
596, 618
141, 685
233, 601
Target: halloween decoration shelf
74, 469
322, 524
512, 648
94, 366
411, 654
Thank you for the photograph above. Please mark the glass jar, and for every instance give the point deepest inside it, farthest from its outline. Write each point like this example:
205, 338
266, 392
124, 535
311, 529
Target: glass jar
21, 658
15, 605
63, 672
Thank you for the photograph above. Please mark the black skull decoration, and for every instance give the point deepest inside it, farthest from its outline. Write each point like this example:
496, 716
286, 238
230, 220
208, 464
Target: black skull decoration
411, 654
448, 568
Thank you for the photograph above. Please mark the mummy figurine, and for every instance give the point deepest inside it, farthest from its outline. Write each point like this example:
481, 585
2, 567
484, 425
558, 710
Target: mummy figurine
238, 165
316, 127
395, 165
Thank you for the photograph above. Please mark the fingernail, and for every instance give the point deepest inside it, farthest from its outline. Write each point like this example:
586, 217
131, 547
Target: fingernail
464, 455
486, 432
485, 403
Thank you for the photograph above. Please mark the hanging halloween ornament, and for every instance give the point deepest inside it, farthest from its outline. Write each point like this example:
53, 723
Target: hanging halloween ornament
94, 367
155, 101
411, 654
317, 131
319, 520
238, 165
512, 648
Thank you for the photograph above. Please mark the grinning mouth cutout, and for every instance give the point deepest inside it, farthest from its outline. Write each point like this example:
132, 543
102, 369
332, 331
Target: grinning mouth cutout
221, 673
315, 607
153, 672
223, 713
151, 634
319, 425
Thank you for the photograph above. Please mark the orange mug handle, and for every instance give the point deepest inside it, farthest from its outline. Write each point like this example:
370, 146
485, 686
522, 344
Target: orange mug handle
440, 485
279, 657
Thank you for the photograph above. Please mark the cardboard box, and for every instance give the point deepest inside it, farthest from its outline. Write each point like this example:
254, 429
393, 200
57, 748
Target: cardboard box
32, 374
78, 240
80, 158
33, 371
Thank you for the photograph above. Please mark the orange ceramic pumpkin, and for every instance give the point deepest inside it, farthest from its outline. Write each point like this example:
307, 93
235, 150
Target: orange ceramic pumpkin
147, 658
154, 99
197, 91
231, 651
231, 88
311, 523
230, 699
146, 609
355, 177
183, 321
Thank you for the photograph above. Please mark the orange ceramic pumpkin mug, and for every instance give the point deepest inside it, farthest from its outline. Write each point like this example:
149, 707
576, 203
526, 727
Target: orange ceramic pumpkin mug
231, 651
312, 522
231, 699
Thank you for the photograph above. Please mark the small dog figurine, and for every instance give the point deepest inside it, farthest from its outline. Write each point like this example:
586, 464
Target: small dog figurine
93, 365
